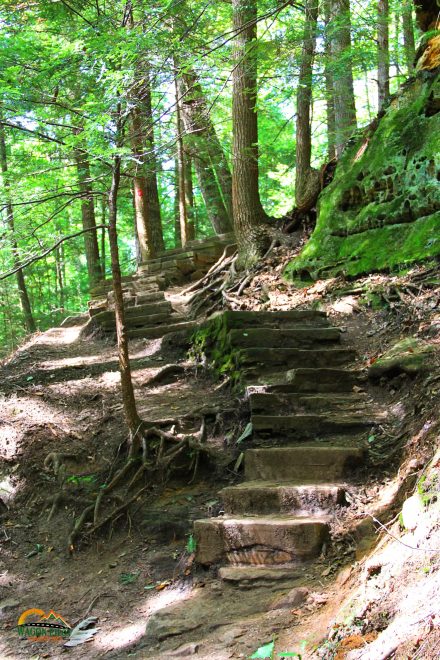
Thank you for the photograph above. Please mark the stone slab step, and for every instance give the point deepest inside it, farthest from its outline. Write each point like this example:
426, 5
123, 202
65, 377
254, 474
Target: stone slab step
306, 463
259, 575
266, 540
288, 357
137, 311
152, 332
309, 380
285, 338
307, 426
134, 325
148, 297
288, 403
261, 497
292, 318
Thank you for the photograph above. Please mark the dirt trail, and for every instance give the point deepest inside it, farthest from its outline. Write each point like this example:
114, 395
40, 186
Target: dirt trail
60, 393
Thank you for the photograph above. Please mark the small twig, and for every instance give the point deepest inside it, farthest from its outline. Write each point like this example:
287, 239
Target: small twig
411, 547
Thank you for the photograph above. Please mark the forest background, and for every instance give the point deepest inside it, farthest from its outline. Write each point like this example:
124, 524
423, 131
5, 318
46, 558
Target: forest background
85, 83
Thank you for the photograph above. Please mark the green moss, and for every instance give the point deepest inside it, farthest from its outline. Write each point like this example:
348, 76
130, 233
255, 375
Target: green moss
211, 345
382, 209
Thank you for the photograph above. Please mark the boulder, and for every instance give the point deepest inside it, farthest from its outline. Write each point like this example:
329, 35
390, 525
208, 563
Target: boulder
409, 356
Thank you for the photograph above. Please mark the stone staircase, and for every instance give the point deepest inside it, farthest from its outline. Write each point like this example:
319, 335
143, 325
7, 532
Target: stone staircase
148, 312
310, 419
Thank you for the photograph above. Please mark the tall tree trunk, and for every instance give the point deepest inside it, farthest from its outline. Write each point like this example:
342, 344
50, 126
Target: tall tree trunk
202, 144
151, 167
189, 191
91, 248
21, 284
383, 54
408, 36
103, 209
59, 275
307, 179
130, 411
140, 199
329, 92
249, 215
186, 227
345, 109
176, 210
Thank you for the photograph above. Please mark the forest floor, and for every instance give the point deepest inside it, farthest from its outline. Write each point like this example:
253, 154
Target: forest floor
59, 393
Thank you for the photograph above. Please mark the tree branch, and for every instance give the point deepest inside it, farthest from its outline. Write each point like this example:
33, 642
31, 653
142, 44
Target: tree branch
31, 260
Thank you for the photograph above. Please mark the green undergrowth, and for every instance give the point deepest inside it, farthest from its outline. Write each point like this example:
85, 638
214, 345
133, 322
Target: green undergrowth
211, 346
382, 209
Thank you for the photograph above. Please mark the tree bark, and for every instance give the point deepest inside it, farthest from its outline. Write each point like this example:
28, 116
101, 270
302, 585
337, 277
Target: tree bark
307, 179
140, 199
91, 248
383, 54
186, 226
25, 303
177, 236
151, 167
130, 411
249, 215
408, 36
329, 93
345, 109
204, 148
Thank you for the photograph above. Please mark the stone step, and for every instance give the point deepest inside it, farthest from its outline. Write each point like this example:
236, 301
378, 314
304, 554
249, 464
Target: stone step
137, 311
148, 297
288, 403
285, 338
261, 497
138, 323
292, 318
149, 283
307, 380
302, 464
262, 575
267, 540
258, 358
308, 426
153, 332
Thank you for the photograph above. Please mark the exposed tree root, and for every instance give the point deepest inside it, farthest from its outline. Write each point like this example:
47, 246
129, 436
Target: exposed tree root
171, 371
154, 463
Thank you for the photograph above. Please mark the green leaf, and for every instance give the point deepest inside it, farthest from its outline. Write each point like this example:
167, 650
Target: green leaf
265, 651
191, 544
246, 433
128, 578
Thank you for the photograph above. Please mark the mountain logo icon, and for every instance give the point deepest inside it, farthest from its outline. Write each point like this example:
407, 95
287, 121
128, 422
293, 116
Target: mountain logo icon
37, 625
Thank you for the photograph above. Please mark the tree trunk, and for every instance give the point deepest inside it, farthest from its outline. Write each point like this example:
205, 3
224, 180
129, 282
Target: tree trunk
204, 147
130, 411
21, 284
307, 179
141, 210
345, 109
383, 54
151, 168
59, 275
186, 227
177, 236
329, 93
249, 215
408, 36
91, 248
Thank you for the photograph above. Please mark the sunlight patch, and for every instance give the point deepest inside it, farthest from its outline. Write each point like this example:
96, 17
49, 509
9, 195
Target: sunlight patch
121, 637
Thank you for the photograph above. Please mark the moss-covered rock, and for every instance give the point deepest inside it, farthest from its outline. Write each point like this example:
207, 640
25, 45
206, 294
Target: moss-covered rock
211, 345
408, 356
383, 207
